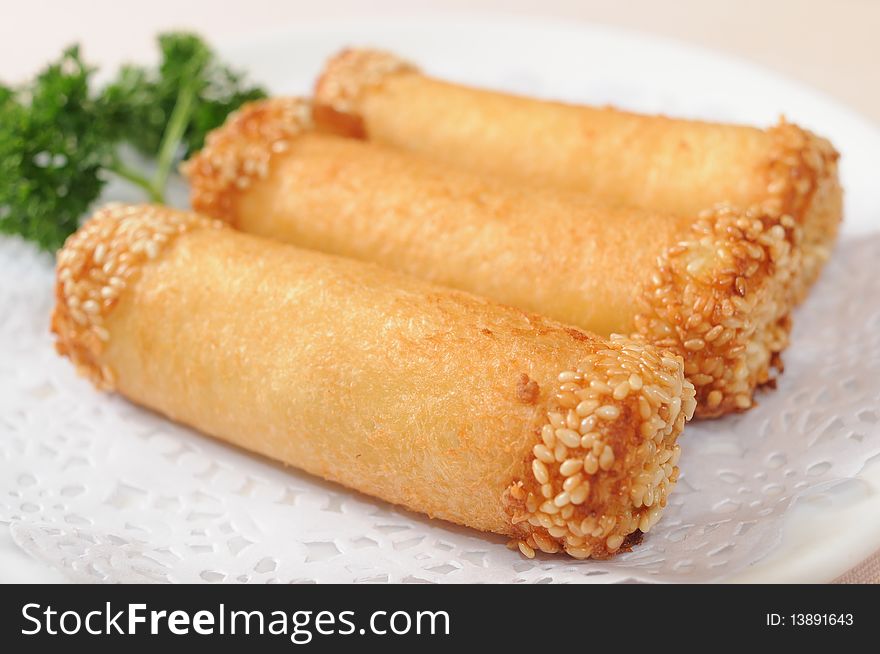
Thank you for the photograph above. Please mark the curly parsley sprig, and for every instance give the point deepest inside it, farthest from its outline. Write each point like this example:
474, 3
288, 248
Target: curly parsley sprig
60, 140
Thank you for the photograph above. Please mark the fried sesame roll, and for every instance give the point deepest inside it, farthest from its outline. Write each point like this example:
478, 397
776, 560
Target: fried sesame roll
619, 158
437, 400
716, 290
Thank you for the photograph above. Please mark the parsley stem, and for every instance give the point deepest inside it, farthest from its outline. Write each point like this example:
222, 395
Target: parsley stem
171, 140
120, 169
173, 136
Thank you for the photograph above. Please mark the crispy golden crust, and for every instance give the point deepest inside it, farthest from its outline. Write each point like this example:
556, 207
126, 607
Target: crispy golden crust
618, 157
803, 182
625, 402
351, 73
95, 266
606, 458
720, 295
240, 152
722, 298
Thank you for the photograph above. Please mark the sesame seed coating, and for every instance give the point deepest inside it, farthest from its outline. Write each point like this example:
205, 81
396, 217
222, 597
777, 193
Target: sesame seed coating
349, 74
239, 153
598, 492
93, 269
803, 182
722, 299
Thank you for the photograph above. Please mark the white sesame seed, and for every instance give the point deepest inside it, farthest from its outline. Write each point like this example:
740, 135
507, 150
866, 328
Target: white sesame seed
548, 435
570, 467
561, 499
621, 391
614, 542
569, 437
586, 407
543, 453
540, 472
606, 460
591, 464
527, 551
573, 481
608, 412
90, 306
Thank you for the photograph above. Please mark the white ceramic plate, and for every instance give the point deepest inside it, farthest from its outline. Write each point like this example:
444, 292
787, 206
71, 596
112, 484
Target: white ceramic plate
788, 493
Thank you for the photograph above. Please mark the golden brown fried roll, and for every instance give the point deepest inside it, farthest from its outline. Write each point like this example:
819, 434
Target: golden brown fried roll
717, 292
443, 402
619, 158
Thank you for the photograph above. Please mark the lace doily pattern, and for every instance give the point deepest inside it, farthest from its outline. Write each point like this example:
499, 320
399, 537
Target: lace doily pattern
105, 491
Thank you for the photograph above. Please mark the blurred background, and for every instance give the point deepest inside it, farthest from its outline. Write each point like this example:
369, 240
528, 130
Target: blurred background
831, 45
